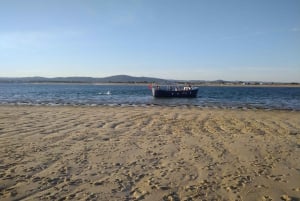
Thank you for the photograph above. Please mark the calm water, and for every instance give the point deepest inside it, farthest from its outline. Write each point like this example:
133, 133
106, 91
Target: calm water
225, 97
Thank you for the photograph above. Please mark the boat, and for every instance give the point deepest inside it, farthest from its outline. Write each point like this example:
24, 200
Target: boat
174, 91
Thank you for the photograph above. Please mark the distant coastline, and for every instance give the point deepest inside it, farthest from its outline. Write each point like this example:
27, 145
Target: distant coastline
131, 80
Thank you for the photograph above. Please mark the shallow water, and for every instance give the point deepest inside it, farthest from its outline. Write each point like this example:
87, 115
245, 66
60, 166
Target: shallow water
285, 98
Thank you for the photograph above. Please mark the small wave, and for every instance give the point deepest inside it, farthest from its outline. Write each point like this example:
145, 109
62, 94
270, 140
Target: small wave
104, 93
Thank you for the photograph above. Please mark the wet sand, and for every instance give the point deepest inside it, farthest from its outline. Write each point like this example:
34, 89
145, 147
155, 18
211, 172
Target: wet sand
148, 153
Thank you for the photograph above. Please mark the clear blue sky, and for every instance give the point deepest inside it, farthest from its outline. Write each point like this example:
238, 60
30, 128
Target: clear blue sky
202, 39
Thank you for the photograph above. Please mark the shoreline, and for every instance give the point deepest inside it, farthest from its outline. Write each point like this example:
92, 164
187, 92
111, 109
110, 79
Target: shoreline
148, 153
146, 105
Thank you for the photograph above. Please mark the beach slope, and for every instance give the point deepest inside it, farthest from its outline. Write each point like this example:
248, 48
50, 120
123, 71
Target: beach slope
148, 153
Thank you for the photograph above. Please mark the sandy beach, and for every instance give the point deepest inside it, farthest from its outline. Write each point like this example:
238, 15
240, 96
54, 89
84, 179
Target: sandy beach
148, 153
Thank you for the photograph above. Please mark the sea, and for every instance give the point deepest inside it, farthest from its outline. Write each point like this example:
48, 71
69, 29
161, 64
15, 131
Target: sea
235, 97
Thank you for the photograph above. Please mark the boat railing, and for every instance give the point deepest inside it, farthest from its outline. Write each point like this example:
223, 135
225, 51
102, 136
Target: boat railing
173, 87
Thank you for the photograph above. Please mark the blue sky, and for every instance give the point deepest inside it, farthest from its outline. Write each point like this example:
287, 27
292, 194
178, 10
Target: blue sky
202, 39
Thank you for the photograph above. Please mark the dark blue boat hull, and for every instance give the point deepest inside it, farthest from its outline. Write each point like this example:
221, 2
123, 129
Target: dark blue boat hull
160, 93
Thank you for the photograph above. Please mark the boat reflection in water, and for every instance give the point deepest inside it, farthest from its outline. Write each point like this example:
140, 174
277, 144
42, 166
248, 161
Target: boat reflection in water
174, 91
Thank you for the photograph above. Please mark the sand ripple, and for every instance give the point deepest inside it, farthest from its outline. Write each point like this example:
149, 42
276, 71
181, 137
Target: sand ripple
154, 153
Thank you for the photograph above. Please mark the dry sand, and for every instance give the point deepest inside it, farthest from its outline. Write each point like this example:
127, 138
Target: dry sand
148, 153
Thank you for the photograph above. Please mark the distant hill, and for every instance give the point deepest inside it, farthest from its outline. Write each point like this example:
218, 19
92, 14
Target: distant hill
130, 79
110, 79
126, 79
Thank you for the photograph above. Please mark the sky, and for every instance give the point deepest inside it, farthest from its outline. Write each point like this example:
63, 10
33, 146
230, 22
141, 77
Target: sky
248, 40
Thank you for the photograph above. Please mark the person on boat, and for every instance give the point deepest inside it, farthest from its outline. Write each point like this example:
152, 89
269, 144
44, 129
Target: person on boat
188, 88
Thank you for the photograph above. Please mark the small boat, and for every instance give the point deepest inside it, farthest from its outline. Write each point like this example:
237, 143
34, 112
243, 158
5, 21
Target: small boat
174, 91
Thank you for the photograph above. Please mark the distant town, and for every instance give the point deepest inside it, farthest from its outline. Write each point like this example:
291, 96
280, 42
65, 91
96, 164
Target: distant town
126, 79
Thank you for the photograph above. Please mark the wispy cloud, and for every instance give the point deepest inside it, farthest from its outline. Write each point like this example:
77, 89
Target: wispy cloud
295, 29
19, 40
33, 39
125, 19
258, 33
